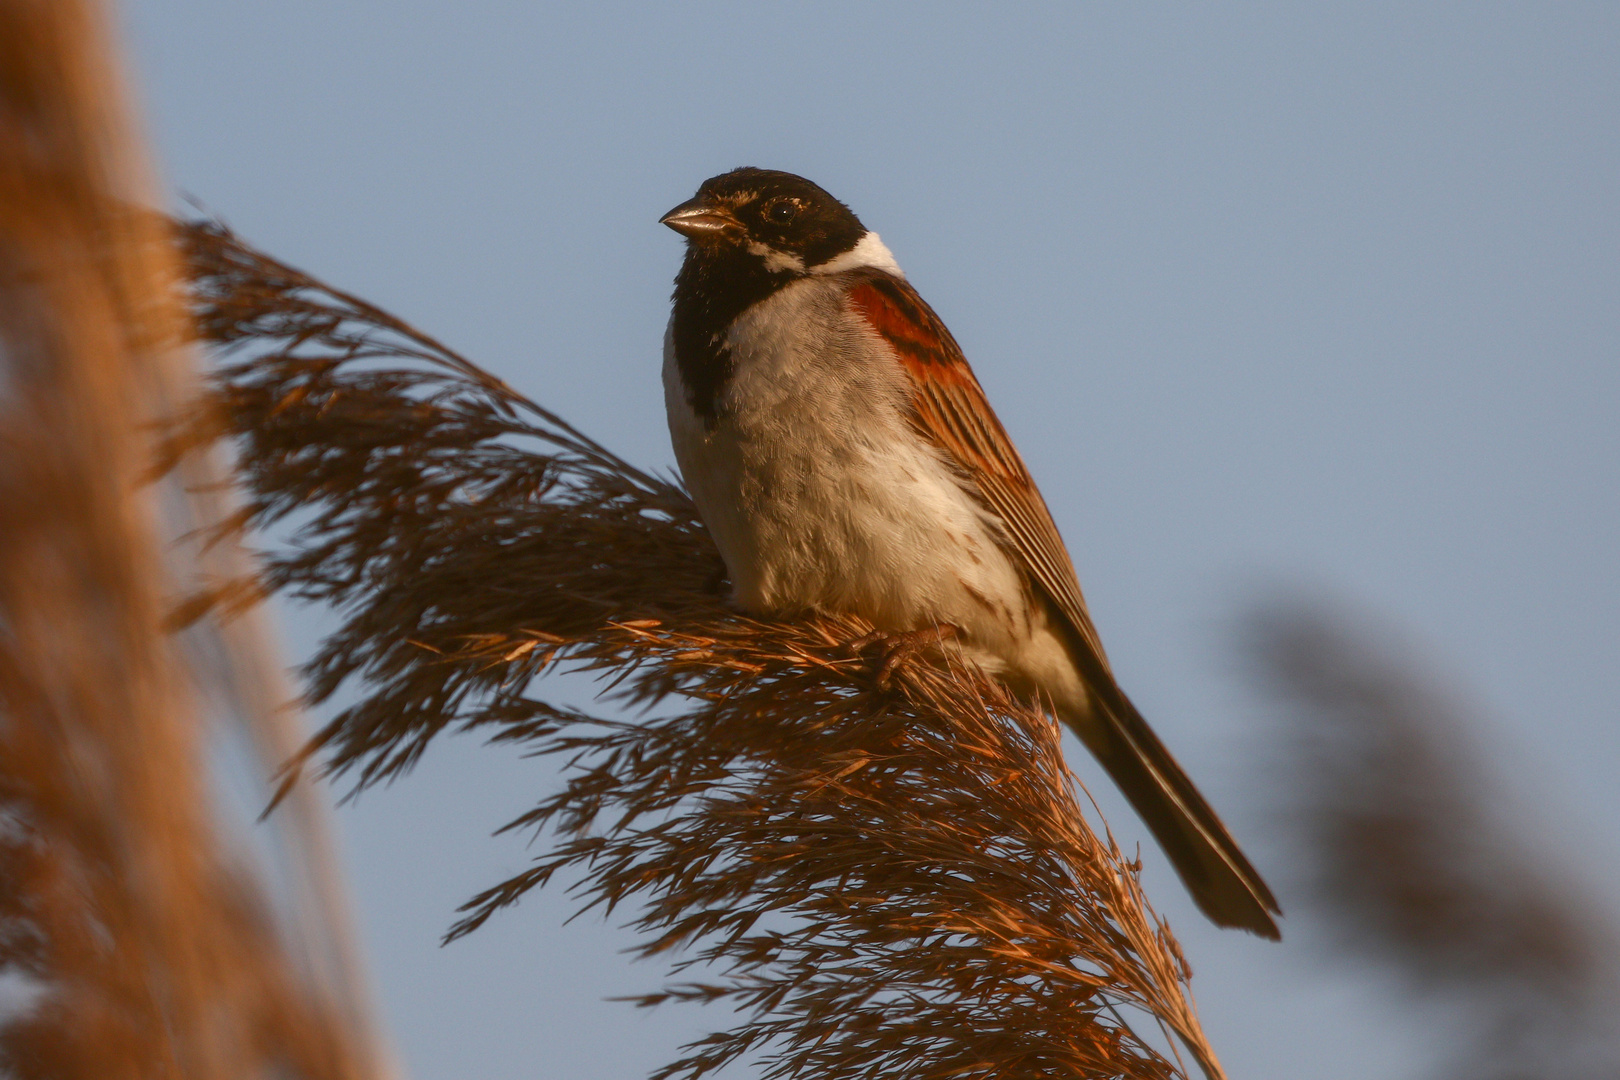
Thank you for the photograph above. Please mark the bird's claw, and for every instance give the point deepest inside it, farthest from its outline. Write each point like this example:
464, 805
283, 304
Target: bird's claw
899, 646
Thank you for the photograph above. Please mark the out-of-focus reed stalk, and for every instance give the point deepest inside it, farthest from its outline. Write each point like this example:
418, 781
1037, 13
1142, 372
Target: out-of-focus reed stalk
146, 952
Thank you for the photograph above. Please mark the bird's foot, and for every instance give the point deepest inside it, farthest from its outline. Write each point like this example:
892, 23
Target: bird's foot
896, 647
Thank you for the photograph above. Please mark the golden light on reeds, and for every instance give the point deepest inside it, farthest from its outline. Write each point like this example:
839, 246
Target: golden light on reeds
882, 880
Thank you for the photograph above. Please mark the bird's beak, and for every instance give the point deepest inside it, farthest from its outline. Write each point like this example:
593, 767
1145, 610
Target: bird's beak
698, 218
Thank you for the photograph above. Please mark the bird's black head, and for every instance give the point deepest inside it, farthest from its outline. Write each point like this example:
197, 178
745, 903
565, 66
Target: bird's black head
750, 234
783, 221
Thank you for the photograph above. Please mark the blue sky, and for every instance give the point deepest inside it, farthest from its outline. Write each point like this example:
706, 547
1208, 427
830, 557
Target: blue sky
1270, 296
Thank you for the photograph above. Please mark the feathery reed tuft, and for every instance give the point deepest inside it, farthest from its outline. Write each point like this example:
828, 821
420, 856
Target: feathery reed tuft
886, 881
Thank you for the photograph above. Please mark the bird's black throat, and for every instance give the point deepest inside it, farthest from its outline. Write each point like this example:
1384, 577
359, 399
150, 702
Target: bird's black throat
717, 283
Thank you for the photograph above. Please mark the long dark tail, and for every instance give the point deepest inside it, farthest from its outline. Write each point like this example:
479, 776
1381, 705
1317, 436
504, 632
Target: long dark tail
1220, 879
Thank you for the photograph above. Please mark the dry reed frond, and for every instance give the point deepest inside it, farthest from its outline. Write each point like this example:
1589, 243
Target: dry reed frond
1415, 869
887, 882
148, 955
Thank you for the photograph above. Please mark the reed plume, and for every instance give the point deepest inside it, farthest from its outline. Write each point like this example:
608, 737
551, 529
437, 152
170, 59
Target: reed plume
882, 880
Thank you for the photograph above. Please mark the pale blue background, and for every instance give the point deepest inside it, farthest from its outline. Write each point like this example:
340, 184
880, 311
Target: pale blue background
1265, 293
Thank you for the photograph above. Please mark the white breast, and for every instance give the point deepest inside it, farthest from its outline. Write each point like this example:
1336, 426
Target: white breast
821, 496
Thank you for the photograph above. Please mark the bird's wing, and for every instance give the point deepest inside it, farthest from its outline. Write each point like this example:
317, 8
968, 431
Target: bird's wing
950, 410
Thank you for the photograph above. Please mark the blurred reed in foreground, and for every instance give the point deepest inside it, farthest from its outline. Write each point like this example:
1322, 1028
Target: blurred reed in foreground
134, 947
1414, 868
884, 882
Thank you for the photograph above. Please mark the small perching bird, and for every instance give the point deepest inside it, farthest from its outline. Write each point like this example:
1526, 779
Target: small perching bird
846, 461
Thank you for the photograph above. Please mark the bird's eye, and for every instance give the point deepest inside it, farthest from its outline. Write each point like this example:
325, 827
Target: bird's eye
782, 211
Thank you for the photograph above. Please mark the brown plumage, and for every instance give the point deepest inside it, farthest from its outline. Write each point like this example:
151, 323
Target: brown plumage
848, 462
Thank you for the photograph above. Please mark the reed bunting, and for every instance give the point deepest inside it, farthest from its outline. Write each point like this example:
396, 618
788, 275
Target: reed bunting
846, 461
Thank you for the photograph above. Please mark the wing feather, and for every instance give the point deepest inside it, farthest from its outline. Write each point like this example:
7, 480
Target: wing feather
951, 410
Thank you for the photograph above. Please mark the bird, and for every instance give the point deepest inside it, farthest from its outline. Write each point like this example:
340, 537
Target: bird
846, 461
